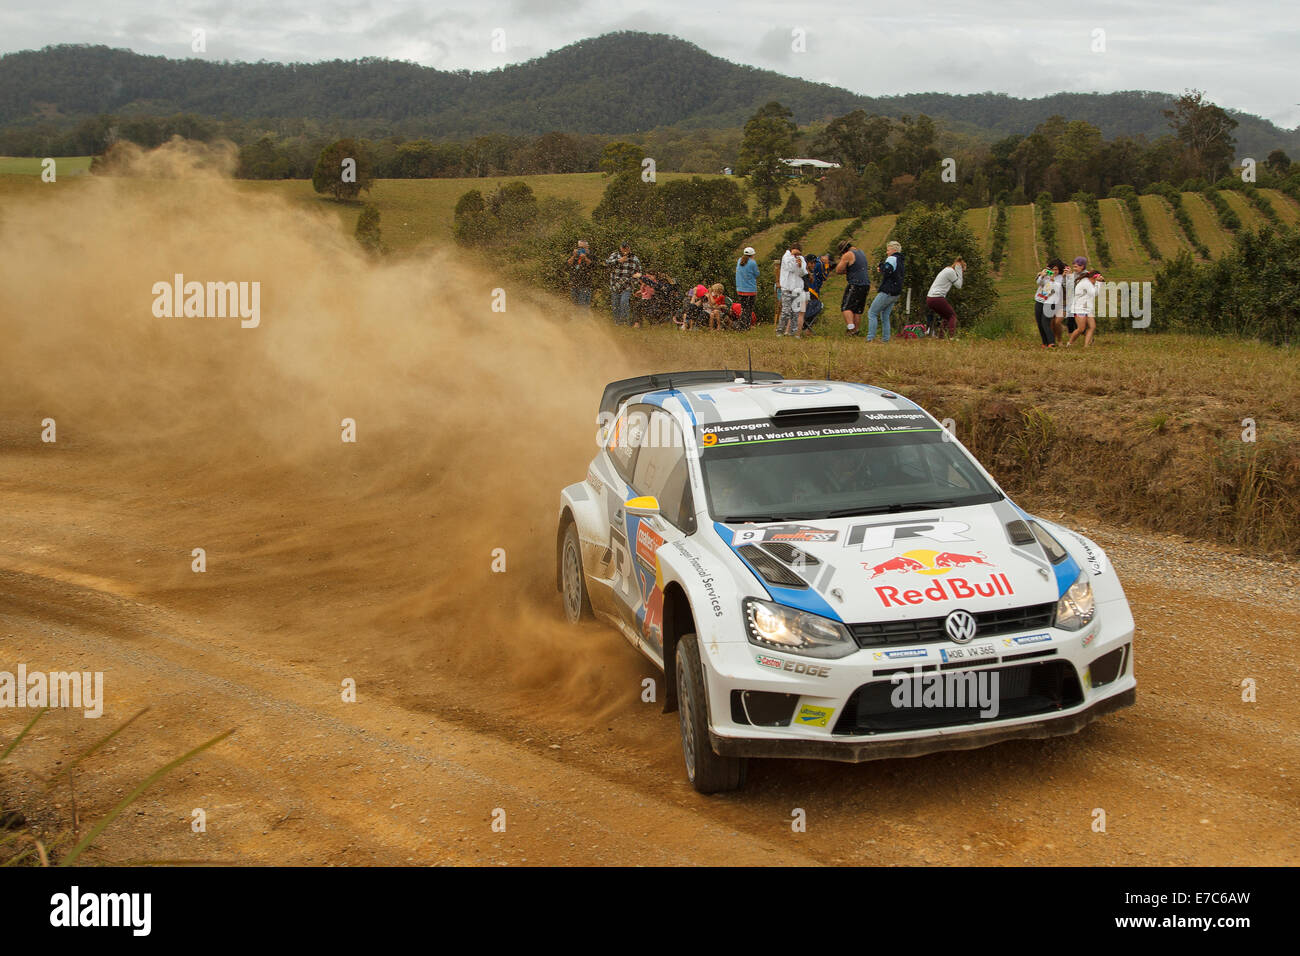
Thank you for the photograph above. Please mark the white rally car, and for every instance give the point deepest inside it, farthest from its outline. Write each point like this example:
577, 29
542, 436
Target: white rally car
822, 571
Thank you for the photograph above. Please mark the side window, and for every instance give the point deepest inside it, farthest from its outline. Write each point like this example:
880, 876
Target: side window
661, 471
625, 438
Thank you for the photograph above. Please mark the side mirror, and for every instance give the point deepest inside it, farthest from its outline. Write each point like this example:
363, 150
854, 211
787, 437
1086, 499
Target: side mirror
644, 507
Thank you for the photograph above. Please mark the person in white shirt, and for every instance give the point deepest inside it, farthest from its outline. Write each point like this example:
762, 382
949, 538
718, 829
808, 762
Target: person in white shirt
936, 300
1086, 288
1045, 309
793, 300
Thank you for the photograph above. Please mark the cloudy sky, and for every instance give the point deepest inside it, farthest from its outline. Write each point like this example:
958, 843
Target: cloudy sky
1241, 53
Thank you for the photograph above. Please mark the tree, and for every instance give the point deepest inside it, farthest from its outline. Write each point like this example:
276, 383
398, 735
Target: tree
793, 210
367, 232
932, 236
855, 139
915, 151
343, 170
769, 136
1278, 162
1079, 155
620, 157
841, 190
1205, 130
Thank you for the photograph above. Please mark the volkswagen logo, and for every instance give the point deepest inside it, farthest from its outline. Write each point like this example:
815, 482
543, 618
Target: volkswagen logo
960, 626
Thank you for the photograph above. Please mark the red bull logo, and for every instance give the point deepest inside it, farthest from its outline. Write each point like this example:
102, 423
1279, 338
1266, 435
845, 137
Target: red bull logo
928, 562
947, 589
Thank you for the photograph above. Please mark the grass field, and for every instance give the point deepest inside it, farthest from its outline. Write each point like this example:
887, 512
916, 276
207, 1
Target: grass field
1165, 231
31, 165
1288, 210
1022, 257
980, 222
1215, 237
819, 236
1251, 218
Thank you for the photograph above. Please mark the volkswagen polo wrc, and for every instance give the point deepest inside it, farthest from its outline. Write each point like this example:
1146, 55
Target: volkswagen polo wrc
821, 570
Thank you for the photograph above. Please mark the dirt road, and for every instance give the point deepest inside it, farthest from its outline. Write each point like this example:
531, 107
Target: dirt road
584, 771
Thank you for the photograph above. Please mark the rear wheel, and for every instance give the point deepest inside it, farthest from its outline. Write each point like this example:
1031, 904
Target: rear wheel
707, 771
577, 606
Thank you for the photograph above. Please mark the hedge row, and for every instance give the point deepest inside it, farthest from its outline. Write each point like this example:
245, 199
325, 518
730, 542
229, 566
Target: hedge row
1131, 200
1051, 244
1101, 248
1184, 219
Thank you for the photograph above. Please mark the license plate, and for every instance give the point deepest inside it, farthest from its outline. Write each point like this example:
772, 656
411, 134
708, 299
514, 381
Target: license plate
975, 652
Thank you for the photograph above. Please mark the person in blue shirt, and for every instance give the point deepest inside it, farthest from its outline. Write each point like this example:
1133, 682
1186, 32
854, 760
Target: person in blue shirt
747, 287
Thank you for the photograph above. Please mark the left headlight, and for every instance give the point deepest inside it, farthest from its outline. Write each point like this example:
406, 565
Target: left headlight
780, 628
1075, 608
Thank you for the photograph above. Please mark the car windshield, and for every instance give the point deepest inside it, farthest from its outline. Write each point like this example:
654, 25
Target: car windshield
859, 464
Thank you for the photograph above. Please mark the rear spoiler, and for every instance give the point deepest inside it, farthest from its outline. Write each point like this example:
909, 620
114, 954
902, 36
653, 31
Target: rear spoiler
616, 393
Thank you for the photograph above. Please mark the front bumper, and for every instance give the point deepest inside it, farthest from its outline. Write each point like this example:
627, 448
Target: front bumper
959, 738
1063, 685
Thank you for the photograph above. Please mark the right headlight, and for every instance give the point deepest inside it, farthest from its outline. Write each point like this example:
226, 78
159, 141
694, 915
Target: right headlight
780, 628
1075, 609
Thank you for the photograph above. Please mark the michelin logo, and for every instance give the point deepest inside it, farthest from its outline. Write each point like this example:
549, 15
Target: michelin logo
895, 655
1027, 639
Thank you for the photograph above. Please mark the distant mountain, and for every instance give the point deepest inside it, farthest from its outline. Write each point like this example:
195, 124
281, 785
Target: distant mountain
617, 83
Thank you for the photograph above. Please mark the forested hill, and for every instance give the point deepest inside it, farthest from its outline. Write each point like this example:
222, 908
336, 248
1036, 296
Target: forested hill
617, 83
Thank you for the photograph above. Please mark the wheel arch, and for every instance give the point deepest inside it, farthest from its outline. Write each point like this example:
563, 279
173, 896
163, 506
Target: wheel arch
678, 619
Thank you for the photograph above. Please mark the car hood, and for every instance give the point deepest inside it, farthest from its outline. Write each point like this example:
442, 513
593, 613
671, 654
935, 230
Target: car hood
901, 567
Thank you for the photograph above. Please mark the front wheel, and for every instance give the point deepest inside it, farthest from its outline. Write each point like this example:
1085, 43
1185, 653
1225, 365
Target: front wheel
577, 606
707, 771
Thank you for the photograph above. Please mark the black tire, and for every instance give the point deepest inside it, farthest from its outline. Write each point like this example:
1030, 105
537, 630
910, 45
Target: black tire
707, 771
573, 583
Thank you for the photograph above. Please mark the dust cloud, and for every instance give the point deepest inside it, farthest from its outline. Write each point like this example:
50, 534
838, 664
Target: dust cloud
181, 432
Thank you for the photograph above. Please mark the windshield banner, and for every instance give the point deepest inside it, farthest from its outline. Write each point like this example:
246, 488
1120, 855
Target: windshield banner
762, 430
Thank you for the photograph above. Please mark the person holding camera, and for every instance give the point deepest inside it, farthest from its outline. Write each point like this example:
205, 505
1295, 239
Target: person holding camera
1086, 288
580, 278
623, 266
936, 300
1046, 302
793, 296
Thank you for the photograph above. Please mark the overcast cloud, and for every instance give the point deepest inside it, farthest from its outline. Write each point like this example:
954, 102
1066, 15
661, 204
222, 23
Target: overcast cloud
1241, 53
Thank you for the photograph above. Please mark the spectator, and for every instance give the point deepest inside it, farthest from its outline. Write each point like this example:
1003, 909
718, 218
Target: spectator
793, 296
580, 274
1085, 307
747, 284
776, 291
818, 269
739, 320
891, 287
937, 298
623, 266
665, 297
1045, 295
1071, 276
719, 306
644, 310
854, 267
696, 311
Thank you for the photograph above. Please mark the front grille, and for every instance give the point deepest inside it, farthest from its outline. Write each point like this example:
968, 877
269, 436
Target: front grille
929, 630
1023, 690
